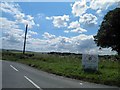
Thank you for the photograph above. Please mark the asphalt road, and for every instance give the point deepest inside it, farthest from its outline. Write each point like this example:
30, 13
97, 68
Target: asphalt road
17, 75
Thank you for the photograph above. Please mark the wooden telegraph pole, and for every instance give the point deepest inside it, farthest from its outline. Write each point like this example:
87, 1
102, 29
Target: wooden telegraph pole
25, 39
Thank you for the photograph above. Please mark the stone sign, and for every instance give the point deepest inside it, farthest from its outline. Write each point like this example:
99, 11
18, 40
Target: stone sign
90, 62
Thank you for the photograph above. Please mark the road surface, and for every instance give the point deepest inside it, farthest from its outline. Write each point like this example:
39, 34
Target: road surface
17, 75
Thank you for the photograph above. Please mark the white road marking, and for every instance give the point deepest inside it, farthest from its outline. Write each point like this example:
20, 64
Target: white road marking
32, 82
14, 68
81, 83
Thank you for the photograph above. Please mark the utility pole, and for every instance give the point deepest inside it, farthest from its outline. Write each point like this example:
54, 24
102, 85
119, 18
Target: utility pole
25, 39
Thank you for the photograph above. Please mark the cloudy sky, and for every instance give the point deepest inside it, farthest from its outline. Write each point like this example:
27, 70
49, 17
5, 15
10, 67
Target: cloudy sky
54, 26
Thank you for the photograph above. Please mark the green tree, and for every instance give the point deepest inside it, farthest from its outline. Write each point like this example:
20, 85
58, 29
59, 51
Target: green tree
109, 32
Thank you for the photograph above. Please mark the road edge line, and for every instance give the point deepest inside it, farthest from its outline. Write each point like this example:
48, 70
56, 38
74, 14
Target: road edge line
13, 68
32, 82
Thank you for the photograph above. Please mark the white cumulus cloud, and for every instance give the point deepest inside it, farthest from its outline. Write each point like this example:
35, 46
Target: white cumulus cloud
78, 30
66, 31
11, 8
48, 18
101, 5
14, 9
79, 7
32, 32
88, 19
59, 21
74, 24
10, 31
74, 27
12, 35
46, 35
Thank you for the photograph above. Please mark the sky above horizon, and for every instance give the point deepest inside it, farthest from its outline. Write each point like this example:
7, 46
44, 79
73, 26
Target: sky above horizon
54, 26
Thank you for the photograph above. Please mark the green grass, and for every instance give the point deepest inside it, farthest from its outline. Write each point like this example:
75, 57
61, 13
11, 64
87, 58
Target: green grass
70, 66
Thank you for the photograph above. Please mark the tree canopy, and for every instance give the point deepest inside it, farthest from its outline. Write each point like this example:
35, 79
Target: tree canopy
108, 34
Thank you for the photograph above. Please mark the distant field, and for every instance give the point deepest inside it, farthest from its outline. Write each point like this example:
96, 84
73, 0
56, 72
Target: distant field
69, 65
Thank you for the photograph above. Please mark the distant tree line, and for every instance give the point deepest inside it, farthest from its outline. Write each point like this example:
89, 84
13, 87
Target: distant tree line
63, 53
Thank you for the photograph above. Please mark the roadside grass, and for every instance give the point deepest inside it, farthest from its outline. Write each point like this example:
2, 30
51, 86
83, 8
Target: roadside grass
70, 66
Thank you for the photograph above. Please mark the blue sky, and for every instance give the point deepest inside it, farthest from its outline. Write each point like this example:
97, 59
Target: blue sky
54, 26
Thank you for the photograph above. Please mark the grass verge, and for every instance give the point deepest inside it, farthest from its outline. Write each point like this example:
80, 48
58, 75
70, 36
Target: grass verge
70, 66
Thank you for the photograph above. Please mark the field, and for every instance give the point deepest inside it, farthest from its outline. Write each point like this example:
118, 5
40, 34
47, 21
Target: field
69, 65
